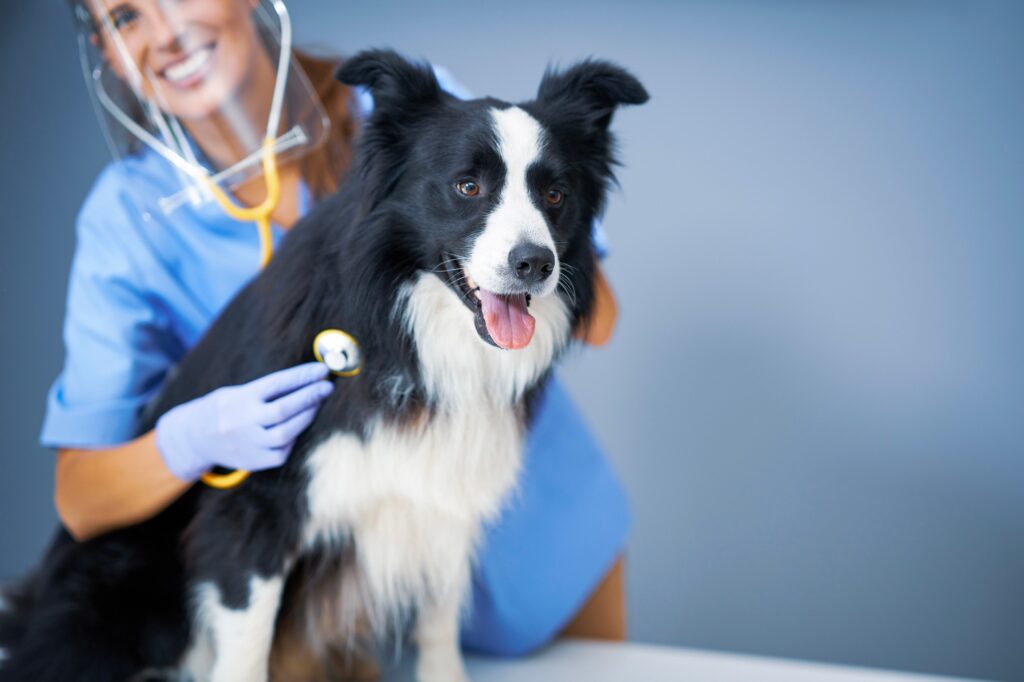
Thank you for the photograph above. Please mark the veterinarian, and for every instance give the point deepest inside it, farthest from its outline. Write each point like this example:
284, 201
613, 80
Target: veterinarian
157, 258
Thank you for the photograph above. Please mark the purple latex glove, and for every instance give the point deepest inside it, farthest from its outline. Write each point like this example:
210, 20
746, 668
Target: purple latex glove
252, 426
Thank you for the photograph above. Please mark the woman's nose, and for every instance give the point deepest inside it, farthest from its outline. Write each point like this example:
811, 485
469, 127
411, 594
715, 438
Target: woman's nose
166, 28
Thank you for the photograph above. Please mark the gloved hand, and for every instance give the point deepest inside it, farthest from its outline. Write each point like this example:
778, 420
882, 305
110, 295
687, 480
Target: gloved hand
252, 426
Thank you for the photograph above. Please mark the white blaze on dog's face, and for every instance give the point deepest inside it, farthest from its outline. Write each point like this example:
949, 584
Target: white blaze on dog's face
514, 257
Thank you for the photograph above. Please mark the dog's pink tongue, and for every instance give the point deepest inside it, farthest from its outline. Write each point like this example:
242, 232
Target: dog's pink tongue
508, 322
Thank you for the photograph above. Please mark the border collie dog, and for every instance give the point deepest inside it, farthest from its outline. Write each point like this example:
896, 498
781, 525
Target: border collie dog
459, 254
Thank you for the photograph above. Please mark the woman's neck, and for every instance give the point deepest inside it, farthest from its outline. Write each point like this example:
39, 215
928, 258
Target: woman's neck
238, 129
236, 132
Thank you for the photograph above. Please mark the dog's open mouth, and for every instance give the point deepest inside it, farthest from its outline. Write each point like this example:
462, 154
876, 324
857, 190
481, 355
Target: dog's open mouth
502, 320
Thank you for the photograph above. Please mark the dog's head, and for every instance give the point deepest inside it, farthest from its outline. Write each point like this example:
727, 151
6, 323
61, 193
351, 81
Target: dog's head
501, 197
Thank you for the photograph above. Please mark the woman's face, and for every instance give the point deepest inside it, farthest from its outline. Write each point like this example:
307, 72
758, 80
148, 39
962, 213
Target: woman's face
193, 56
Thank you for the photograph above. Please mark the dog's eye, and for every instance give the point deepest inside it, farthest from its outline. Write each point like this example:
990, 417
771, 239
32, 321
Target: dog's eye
468, 187
554, 197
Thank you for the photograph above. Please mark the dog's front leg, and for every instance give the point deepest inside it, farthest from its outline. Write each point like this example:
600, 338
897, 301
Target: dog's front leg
240, 554
237, 634
437, 635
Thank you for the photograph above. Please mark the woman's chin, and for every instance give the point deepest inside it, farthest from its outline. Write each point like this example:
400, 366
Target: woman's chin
205, 100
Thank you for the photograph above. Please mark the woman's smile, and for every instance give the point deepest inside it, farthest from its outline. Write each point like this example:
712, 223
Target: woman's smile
190, 69
193, 57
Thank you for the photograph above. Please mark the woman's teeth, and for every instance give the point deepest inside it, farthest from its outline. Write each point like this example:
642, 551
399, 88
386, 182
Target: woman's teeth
190, 67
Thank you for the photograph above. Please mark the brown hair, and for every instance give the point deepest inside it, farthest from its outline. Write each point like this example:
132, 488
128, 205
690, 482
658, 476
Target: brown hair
324, 167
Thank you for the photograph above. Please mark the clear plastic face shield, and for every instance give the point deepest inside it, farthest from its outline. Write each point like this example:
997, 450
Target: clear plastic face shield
208, 86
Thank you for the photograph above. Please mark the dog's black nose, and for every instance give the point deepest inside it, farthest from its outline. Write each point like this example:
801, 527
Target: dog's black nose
532, 263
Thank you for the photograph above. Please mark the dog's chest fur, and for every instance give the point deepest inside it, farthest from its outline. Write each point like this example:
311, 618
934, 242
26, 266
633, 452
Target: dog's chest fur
413, 497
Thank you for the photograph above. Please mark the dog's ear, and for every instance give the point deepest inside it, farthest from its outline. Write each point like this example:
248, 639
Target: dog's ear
393, 80
576, 106
402, 92
591, 90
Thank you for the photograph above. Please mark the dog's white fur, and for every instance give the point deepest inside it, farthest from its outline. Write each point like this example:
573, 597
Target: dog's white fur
414, 498
238, 637
516, 219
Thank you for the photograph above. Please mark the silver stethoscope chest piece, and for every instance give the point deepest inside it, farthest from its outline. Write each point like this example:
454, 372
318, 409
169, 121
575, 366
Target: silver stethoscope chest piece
339, 351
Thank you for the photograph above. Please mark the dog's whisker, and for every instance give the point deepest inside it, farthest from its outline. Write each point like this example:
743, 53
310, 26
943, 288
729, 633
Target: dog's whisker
568, 287
443, 265
446, 264
454, 258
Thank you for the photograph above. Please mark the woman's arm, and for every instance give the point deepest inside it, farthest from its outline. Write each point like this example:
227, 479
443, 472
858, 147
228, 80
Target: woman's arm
603, 616
251, 426
602, 321
100, 490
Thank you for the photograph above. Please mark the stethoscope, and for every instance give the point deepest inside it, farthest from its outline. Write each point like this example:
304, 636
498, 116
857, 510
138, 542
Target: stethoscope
337, 349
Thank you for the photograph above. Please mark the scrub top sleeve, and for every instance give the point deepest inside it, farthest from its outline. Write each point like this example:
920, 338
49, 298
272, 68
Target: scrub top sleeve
117, 349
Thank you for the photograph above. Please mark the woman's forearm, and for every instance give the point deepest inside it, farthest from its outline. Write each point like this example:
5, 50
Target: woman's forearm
602, 320
100, 490
603, 616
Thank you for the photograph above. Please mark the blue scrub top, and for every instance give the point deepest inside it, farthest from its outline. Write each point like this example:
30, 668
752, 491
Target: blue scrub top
144, 287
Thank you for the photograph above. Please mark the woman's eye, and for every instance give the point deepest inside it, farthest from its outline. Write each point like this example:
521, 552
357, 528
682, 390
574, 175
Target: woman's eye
122, 16
553, 197
468, 187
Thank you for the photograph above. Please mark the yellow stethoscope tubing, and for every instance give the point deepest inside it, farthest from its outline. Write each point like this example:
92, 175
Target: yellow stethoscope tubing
261, 216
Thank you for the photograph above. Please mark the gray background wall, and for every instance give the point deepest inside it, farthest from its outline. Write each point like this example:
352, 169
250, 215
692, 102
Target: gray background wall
815, 394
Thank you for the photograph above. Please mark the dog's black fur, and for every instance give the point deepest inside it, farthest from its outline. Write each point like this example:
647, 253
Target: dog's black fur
106, 608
